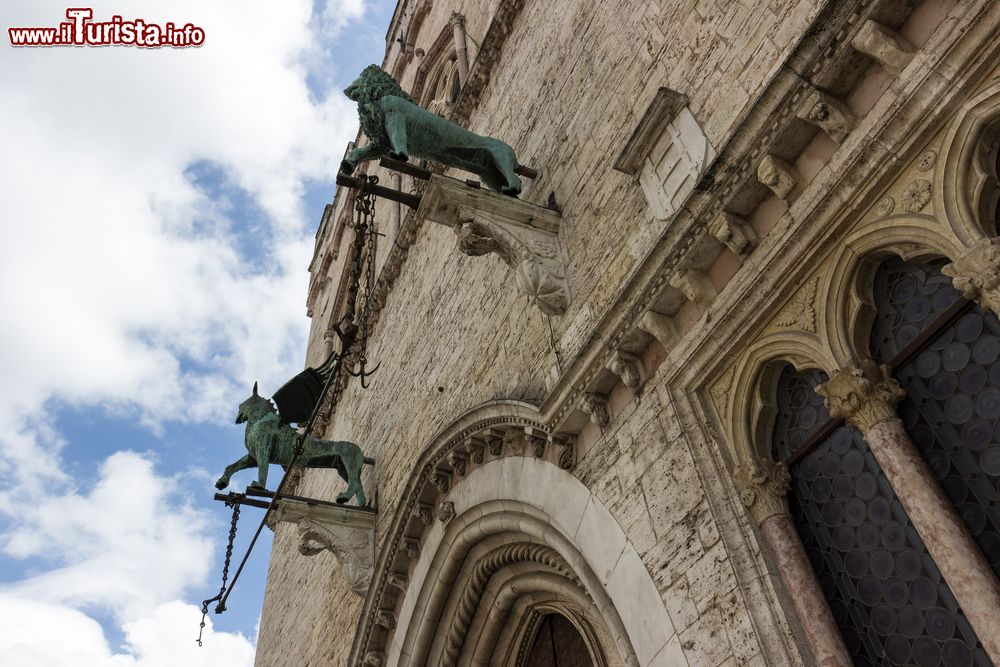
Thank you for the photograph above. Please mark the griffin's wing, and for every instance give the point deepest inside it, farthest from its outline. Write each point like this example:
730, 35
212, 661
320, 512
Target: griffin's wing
297, 398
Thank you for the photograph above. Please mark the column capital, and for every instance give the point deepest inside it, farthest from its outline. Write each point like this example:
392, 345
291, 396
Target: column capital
864, 395
762, 485
976, 274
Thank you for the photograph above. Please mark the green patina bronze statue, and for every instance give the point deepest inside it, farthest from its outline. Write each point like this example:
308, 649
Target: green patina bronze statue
269, 438
398, 128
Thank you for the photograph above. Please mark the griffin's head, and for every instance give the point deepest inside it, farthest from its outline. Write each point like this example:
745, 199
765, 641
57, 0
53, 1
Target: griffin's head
374, 84
254, 407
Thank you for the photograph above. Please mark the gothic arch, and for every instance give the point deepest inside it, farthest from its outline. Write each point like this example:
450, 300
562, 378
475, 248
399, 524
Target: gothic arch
438, 55
970, 188
847, 294
749, 410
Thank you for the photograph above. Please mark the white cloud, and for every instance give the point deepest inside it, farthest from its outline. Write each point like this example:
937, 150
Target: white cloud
124, 281
37, 634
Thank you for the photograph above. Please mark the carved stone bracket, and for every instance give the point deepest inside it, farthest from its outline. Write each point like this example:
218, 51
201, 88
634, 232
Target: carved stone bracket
629, 369
863, 396
782, 178
661, 327
762, 485
349, 534
596, 406
566, 446
976, 274
828, 114
735, 233
695, 285
883, 45
525, 236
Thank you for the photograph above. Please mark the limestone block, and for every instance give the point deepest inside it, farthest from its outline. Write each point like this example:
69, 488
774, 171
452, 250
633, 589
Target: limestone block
601, 538
783, 179
886, 46
734, 232
641, 609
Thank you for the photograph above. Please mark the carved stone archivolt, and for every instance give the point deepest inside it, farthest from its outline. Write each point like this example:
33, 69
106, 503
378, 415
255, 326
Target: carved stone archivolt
523, 235
349, 534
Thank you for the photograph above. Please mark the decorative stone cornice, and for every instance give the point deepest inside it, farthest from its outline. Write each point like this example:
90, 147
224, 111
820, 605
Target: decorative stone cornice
976, 274
863, 396
762, 485
347, 533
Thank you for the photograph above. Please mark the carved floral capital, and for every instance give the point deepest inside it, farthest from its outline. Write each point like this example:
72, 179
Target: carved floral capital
762, 485
863, 396
976, 274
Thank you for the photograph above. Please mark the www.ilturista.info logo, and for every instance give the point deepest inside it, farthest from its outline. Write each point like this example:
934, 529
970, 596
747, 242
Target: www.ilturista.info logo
81, 31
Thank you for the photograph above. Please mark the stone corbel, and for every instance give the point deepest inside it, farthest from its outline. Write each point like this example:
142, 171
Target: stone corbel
476, 450
661, 327
629, 369
536, 441
782, 178
349, 534
735, 233
828, 114
525, 236
596, 407
976, 274
566, 446
885, 46
424, 512
459, 462
695, 285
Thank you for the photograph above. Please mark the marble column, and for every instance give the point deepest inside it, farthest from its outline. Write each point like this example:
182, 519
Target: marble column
866, 398
976, 274
457, 23
763, 487
395, 209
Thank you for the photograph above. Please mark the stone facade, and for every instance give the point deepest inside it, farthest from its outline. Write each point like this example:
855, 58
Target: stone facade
724, 174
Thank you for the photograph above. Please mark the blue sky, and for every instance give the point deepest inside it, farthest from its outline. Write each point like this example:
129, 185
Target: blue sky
158, 210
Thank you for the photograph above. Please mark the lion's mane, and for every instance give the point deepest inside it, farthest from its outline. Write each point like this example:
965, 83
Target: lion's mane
376, 84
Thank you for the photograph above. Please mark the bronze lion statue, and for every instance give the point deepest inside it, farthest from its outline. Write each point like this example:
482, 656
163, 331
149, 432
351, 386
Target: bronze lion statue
398, 128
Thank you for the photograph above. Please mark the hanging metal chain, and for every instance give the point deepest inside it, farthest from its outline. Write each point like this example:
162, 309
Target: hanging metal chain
225, 566
347, 330
368, 228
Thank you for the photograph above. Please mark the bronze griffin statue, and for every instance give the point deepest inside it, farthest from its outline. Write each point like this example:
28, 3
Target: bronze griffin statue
270, 438
398, 128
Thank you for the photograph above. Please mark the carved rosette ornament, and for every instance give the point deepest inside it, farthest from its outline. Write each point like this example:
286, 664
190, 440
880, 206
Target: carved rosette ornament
762, 485
976, 274
523, 235
596, 407
863, 396
349, 534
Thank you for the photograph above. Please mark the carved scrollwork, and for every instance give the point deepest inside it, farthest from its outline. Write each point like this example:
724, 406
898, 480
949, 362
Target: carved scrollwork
863, 396
976, 274
762, 485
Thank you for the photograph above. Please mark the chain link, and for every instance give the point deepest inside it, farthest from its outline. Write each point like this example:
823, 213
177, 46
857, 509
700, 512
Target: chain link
225, 567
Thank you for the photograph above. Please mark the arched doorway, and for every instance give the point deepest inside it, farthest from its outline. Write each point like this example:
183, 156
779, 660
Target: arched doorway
557, 643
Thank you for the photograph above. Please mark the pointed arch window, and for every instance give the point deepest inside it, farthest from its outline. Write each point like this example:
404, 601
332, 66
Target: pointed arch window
886, 594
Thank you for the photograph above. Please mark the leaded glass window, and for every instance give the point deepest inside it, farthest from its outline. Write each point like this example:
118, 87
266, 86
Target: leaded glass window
952, 382
886, 593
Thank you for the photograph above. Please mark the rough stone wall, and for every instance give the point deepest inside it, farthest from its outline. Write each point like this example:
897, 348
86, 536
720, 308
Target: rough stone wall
571, 83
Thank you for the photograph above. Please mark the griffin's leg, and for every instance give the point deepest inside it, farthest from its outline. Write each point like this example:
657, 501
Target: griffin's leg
395, 127
262, 462
244, 463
